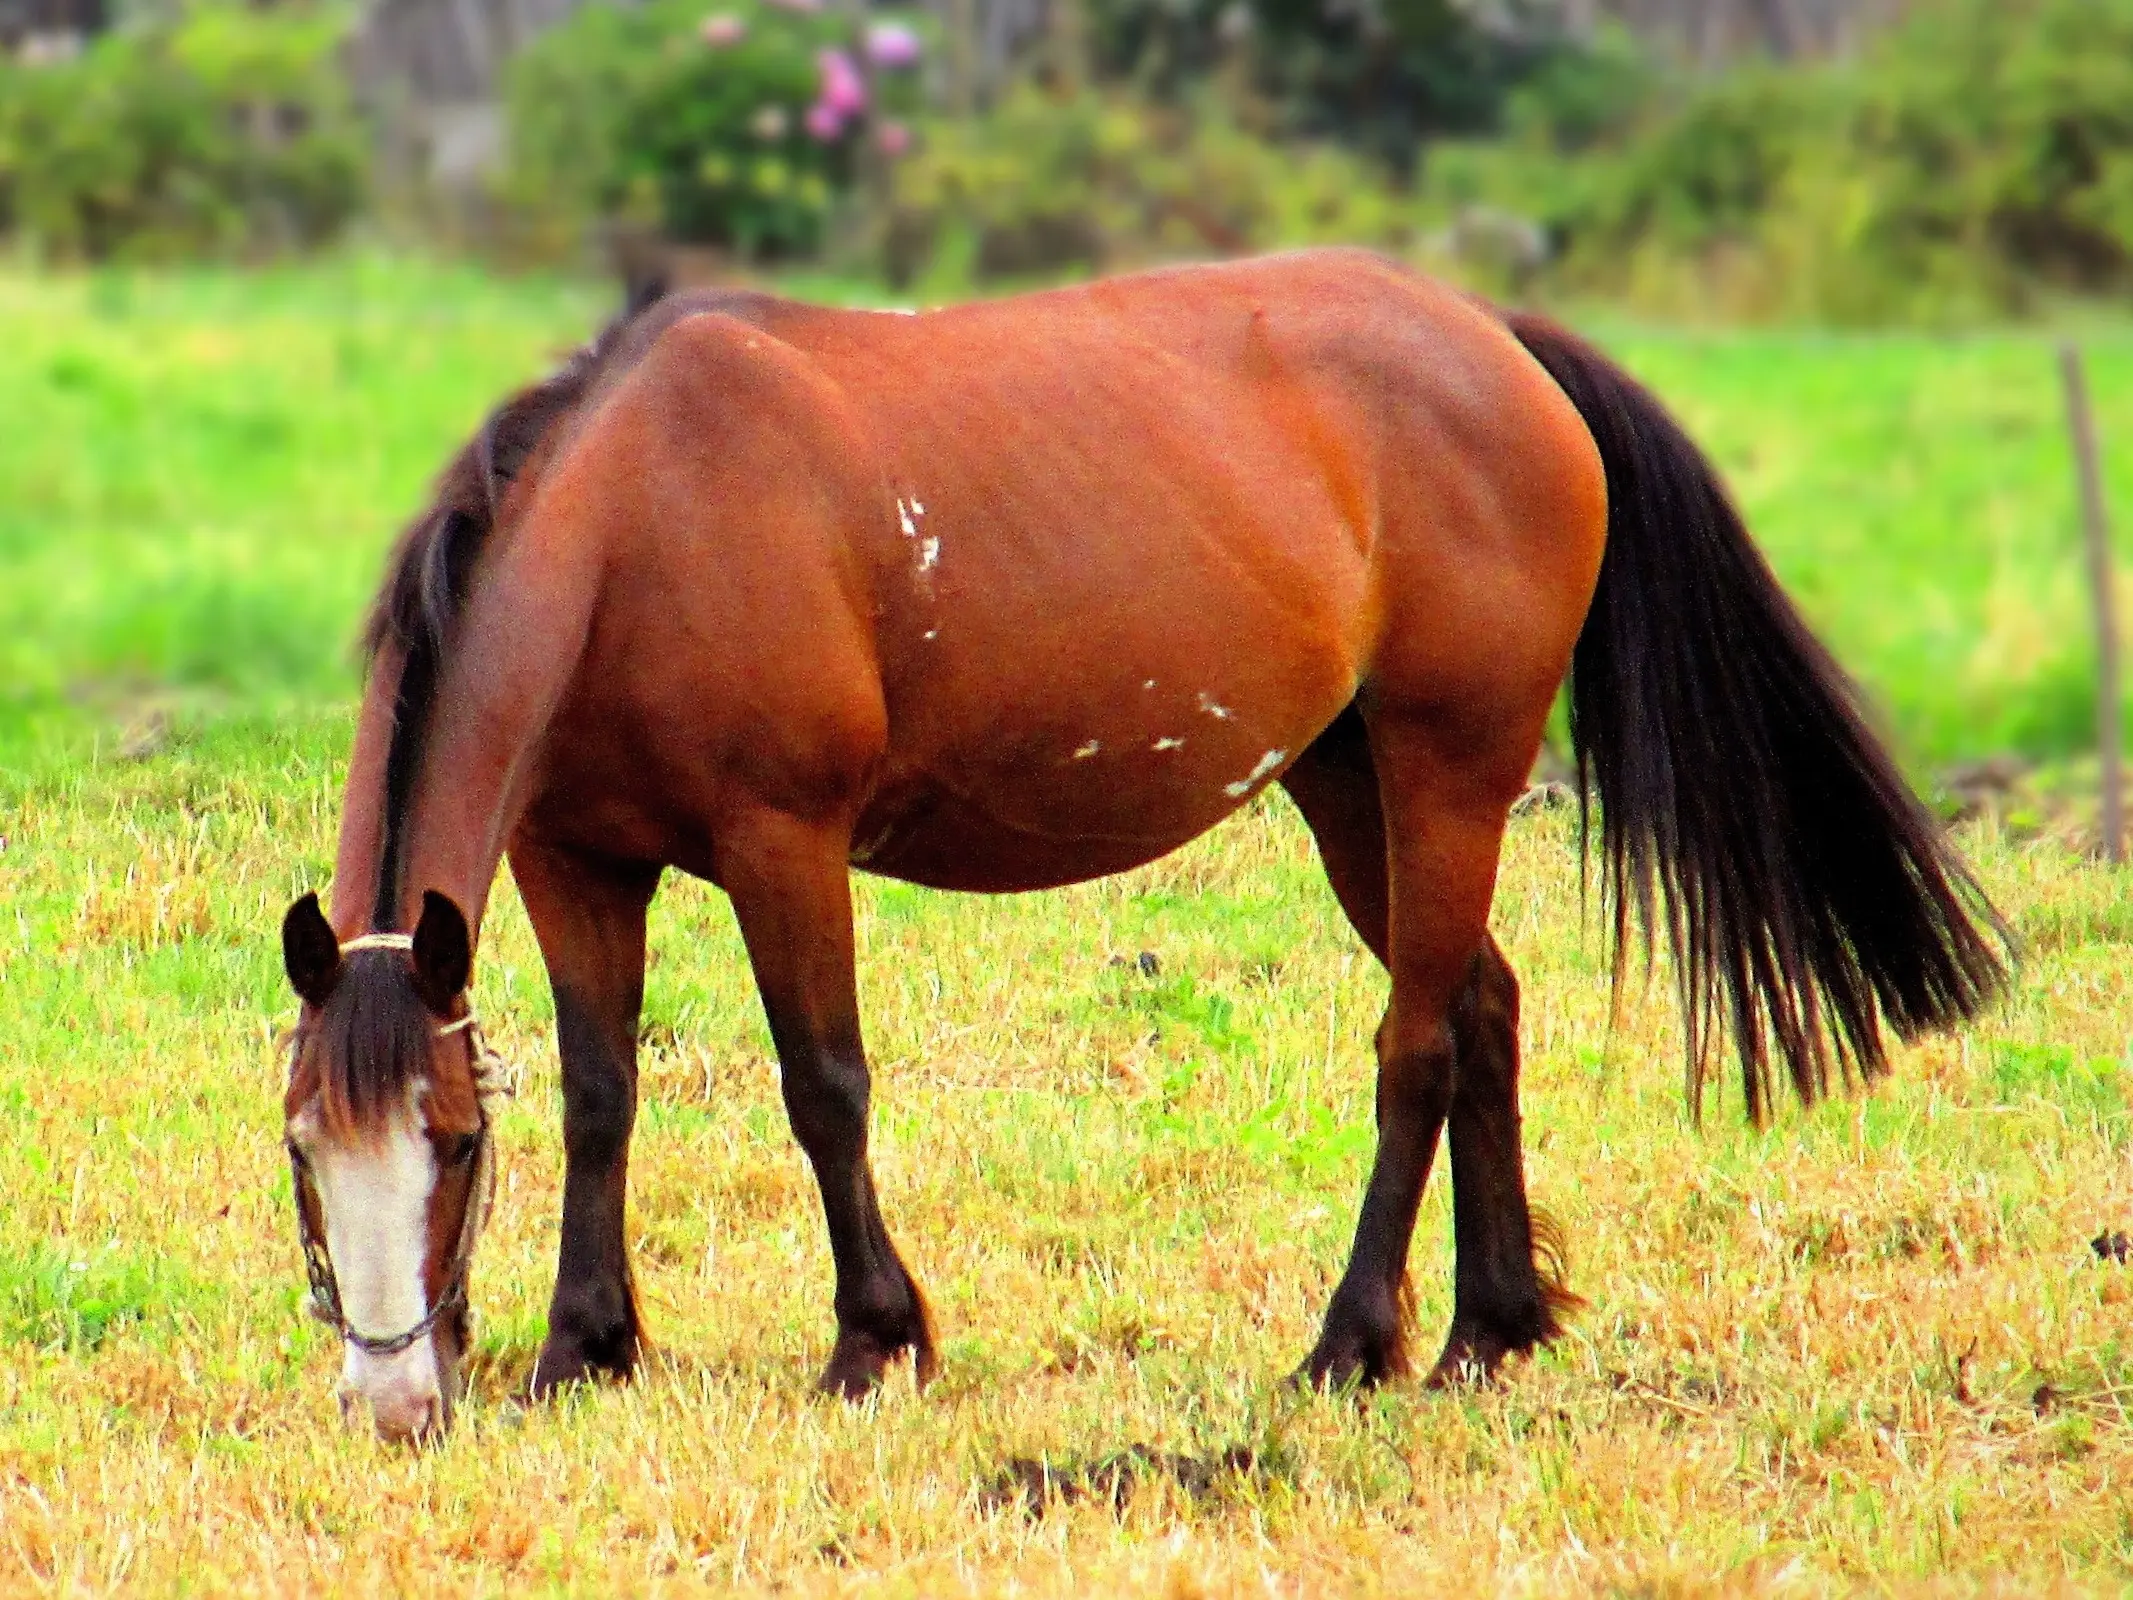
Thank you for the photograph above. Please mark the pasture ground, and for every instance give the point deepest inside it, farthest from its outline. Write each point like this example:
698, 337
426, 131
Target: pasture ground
1871, 1347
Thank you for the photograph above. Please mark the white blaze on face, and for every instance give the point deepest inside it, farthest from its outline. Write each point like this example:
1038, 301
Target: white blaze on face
376, 1200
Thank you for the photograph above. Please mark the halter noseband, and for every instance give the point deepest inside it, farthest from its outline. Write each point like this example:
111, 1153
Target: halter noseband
318, 1263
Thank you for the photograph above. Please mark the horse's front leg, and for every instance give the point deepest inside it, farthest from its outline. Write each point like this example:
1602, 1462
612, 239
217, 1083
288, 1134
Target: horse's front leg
589, 914
792, 897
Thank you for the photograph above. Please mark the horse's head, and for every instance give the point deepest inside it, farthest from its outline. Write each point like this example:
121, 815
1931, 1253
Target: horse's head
388, 1134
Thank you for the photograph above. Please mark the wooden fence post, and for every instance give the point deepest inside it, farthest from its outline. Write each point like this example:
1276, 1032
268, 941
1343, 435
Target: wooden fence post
2096, 536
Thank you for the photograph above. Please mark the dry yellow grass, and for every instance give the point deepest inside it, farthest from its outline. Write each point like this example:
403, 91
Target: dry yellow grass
1871, 1347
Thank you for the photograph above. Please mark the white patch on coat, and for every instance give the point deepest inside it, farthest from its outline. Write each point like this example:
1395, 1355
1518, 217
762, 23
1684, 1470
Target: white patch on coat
1150, 684
1267, 763
903, 518
1168, 743
932, 633
376, 1201
1208, 704
918, 506
1088, 750
929, 555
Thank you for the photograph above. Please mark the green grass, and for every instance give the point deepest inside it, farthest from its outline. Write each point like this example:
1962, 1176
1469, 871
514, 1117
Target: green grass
199, 473
1871, 1347
1813, 1352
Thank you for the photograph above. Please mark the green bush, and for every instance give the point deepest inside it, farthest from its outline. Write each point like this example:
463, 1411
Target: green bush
1047, 182
224, 132
1976, 160
738, 129
1380, 77
1989, 156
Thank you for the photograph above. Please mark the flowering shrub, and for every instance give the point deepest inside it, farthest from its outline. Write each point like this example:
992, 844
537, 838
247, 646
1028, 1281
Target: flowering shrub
734, 123
218, 130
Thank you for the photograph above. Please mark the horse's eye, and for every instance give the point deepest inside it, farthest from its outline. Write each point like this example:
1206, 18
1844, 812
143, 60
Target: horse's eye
460, 1148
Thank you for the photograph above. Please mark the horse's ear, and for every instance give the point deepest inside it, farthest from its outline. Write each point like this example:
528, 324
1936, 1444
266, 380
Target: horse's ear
444, 952
310, 951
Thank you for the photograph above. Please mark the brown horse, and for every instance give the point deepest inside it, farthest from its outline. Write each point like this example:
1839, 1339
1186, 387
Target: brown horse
1018, 594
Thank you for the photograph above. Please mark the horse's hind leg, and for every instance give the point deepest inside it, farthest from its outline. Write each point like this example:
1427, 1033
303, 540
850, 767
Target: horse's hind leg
1449, 1008
589, 917
1509, 1295
792, 897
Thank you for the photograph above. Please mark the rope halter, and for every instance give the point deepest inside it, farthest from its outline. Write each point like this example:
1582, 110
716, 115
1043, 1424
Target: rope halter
489, 1084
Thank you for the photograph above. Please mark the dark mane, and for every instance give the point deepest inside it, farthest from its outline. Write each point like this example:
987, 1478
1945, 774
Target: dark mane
426, 579
373, 1039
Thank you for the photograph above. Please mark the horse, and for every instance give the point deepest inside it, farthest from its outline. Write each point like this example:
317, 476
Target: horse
1016, 594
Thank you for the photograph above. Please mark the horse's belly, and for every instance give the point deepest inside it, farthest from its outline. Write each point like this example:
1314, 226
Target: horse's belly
944, 842
1117, 781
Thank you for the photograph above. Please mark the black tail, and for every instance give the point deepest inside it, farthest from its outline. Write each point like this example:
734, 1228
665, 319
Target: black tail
1806, 892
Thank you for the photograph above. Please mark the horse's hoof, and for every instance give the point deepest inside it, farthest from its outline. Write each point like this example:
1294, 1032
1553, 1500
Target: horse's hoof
850, 1378
561, 1365
860, 1363
1346, 1366
1474, 1354
1361, 1345
1465, 1366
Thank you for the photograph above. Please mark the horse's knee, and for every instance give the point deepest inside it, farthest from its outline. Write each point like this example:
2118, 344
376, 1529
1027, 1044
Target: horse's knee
599, 1088
827, 1095
1417, 1071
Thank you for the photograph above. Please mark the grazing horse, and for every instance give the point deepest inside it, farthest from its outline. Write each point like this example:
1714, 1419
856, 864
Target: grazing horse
1018, 594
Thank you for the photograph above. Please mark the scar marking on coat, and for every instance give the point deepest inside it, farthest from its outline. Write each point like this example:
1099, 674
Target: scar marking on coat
1208, 704
1168, 743
1267, 763
903, 517
929, 555
863, 853
1088, 750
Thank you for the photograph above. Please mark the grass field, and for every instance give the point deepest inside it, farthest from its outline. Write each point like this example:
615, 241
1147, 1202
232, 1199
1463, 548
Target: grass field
1872, 1347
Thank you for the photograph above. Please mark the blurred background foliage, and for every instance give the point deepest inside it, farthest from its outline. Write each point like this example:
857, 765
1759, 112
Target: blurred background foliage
1974, 159
735, 125
1957, 159
212, 130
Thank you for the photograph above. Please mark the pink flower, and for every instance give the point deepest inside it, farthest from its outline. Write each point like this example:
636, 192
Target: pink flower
722, 30
842, 89
893, 138
824, 121
892, 45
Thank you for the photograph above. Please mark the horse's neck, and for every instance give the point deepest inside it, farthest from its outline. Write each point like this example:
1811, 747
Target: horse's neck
513, 653
362, 840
